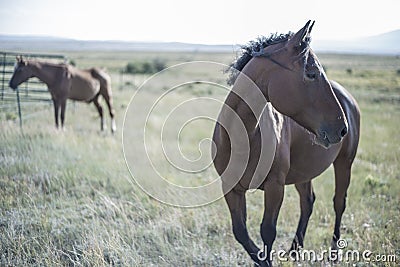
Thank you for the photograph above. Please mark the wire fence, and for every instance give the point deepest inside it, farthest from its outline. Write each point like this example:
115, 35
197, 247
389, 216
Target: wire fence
31, 96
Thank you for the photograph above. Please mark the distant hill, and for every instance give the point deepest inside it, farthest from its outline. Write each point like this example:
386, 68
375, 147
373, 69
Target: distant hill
43, 43
387, 43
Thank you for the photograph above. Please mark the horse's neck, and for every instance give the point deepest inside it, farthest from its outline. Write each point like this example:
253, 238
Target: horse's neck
44, 72
245, 109
244, 101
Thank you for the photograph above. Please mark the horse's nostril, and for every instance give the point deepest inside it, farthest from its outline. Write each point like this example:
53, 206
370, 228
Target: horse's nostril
344, 131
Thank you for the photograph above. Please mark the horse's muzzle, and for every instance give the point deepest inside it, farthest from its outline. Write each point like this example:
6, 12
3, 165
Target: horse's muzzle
12, 86
328, 136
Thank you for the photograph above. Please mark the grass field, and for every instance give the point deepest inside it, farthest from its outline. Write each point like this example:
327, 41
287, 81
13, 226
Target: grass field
66, 198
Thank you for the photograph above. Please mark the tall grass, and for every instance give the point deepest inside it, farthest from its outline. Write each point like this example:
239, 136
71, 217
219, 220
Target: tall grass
66, 198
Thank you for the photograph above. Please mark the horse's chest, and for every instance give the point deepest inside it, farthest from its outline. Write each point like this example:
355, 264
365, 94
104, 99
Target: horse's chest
309, 160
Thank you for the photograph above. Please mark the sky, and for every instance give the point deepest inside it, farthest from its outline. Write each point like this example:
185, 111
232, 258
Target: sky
201, 21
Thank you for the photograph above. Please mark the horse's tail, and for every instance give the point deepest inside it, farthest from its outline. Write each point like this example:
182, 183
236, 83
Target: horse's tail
105, 91
103, 78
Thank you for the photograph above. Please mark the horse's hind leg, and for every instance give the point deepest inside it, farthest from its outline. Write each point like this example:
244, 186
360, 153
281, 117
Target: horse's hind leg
100, 110
236, 201
307, 198
342, 181
108, 98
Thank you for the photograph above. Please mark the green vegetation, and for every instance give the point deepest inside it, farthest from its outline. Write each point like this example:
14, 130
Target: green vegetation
66, 198
145, 67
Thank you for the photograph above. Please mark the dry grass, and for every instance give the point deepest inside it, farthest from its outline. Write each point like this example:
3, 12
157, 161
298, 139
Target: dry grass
66, 198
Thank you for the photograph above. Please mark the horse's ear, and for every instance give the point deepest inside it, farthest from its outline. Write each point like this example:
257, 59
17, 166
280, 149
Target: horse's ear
21, 60
311, 26
302, 36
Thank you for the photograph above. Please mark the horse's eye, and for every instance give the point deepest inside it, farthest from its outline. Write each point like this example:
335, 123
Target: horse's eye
311, 76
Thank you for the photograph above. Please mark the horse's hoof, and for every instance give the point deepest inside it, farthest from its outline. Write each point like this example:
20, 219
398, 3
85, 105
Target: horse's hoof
113, 126
262, 264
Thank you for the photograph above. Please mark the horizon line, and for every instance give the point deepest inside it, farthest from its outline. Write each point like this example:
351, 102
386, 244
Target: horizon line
21, 35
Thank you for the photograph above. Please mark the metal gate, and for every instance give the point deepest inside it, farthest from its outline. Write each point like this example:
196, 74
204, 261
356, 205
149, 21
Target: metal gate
29, 94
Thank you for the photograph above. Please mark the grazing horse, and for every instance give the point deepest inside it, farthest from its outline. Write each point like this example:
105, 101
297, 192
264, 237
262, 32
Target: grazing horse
67, 82
296, 124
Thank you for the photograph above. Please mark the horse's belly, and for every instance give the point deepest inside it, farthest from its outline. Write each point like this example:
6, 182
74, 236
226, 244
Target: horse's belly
83, 90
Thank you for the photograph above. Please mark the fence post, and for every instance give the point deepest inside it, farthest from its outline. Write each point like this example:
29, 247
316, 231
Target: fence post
3, 78
19, 109
26, 88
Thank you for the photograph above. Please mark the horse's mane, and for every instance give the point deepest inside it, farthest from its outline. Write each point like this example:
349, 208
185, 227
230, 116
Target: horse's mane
44, 62
247, 50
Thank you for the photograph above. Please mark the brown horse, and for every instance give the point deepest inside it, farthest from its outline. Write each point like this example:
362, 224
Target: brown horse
296, 123
67, 82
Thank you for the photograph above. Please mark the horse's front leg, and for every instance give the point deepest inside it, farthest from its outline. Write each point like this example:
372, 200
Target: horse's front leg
109, 103
273, 197
274, 188
342, 182
56, 104
307, 198
236, 200
63, 106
